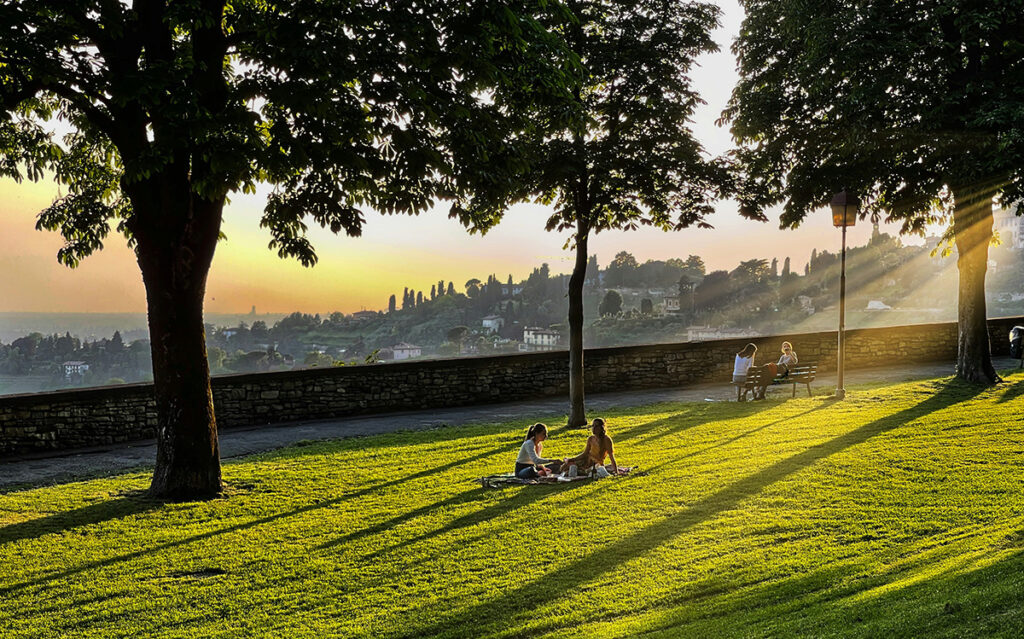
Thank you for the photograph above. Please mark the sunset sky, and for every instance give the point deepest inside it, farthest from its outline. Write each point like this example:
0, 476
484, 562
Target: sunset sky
394, 252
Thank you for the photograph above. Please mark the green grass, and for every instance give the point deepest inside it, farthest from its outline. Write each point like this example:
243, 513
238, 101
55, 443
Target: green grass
899, 512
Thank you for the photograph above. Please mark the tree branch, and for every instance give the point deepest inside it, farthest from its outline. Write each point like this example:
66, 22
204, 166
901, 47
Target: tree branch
95, 115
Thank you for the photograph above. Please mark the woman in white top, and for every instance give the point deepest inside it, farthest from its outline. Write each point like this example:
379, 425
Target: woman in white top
740, 368
529, 463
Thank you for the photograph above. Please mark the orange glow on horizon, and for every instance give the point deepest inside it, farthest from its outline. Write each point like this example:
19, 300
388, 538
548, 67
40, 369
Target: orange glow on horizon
357, 273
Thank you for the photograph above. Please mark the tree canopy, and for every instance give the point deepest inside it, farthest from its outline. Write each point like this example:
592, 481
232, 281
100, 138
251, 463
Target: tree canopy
898, 102
151, 114
611, 304
915, 107
342, 106
627, 157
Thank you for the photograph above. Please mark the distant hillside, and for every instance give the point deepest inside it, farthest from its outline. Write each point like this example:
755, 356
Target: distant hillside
93, 326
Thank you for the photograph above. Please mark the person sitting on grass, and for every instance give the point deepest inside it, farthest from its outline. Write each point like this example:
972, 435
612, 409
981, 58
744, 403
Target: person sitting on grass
529, 463
599, 446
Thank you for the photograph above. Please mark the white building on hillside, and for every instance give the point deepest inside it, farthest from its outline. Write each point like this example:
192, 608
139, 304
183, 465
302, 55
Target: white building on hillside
539, 339
1010, 226
493, 323
404, 350
75, 368
672, 304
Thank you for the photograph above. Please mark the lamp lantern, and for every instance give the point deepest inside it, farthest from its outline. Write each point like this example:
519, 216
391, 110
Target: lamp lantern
844, 209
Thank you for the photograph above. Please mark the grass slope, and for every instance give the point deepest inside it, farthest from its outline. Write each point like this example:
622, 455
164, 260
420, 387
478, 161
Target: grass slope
896, 513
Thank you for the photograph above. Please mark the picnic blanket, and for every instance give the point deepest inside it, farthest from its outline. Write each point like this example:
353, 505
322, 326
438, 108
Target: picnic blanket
509, 479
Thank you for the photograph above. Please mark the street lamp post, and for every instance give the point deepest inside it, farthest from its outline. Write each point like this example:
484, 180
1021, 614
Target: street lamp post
844, 214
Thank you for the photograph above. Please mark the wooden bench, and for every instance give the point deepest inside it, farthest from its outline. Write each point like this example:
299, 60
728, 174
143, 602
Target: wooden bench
799, 374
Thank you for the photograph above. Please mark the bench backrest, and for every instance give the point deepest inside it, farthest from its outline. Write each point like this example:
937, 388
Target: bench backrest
803, 372
799, 374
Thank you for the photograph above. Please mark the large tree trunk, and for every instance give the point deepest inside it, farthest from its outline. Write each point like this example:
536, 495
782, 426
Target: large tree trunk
577, 411
174, 253
972, 226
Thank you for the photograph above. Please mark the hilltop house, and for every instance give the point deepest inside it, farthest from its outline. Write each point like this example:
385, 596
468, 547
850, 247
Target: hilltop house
75, 368
493, 323
404, 350
806, 304
1010, 226
539, 339
361, 316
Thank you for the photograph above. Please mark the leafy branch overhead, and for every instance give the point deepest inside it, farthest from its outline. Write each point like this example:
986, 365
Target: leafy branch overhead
340, 106
898, 102
621, 152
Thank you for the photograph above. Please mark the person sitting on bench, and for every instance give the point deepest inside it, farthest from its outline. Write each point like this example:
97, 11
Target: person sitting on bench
788, 359
741, 366
529, 463
779, 369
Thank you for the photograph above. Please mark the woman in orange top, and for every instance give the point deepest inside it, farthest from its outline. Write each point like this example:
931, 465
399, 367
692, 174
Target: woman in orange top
599, 446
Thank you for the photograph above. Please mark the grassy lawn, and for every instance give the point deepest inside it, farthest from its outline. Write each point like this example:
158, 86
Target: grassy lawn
899, 512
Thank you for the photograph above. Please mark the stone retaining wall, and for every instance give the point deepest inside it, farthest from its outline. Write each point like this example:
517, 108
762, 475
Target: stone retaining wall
88, 417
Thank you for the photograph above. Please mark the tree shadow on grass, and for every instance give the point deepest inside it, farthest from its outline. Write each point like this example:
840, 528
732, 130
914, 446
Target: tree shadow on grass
110, 561
1012, 392
465, 497
106, 510
526, 496
681, 613
979, 602
446, 432
513, 606
682, 418
736, 438
97, 511
840, 600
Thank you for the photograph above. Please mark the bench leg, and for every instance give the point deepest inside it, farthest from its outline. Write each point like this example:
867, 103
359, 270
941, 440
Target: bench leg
808, 390
794, 389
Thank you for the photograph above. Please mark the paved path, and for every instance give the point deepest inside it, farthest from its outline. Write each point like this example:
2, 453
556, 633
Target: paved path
63, 466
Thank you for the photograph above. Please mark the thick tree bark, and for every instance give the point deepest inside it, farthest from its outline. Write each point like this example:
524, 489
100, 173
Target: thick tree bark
972, 226
577, 411
174, 253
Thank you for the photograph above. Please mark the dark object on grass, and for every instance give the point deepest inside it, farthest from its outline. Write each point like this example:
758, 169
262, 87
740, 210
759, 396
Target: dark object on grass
1017, 343
509, 479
